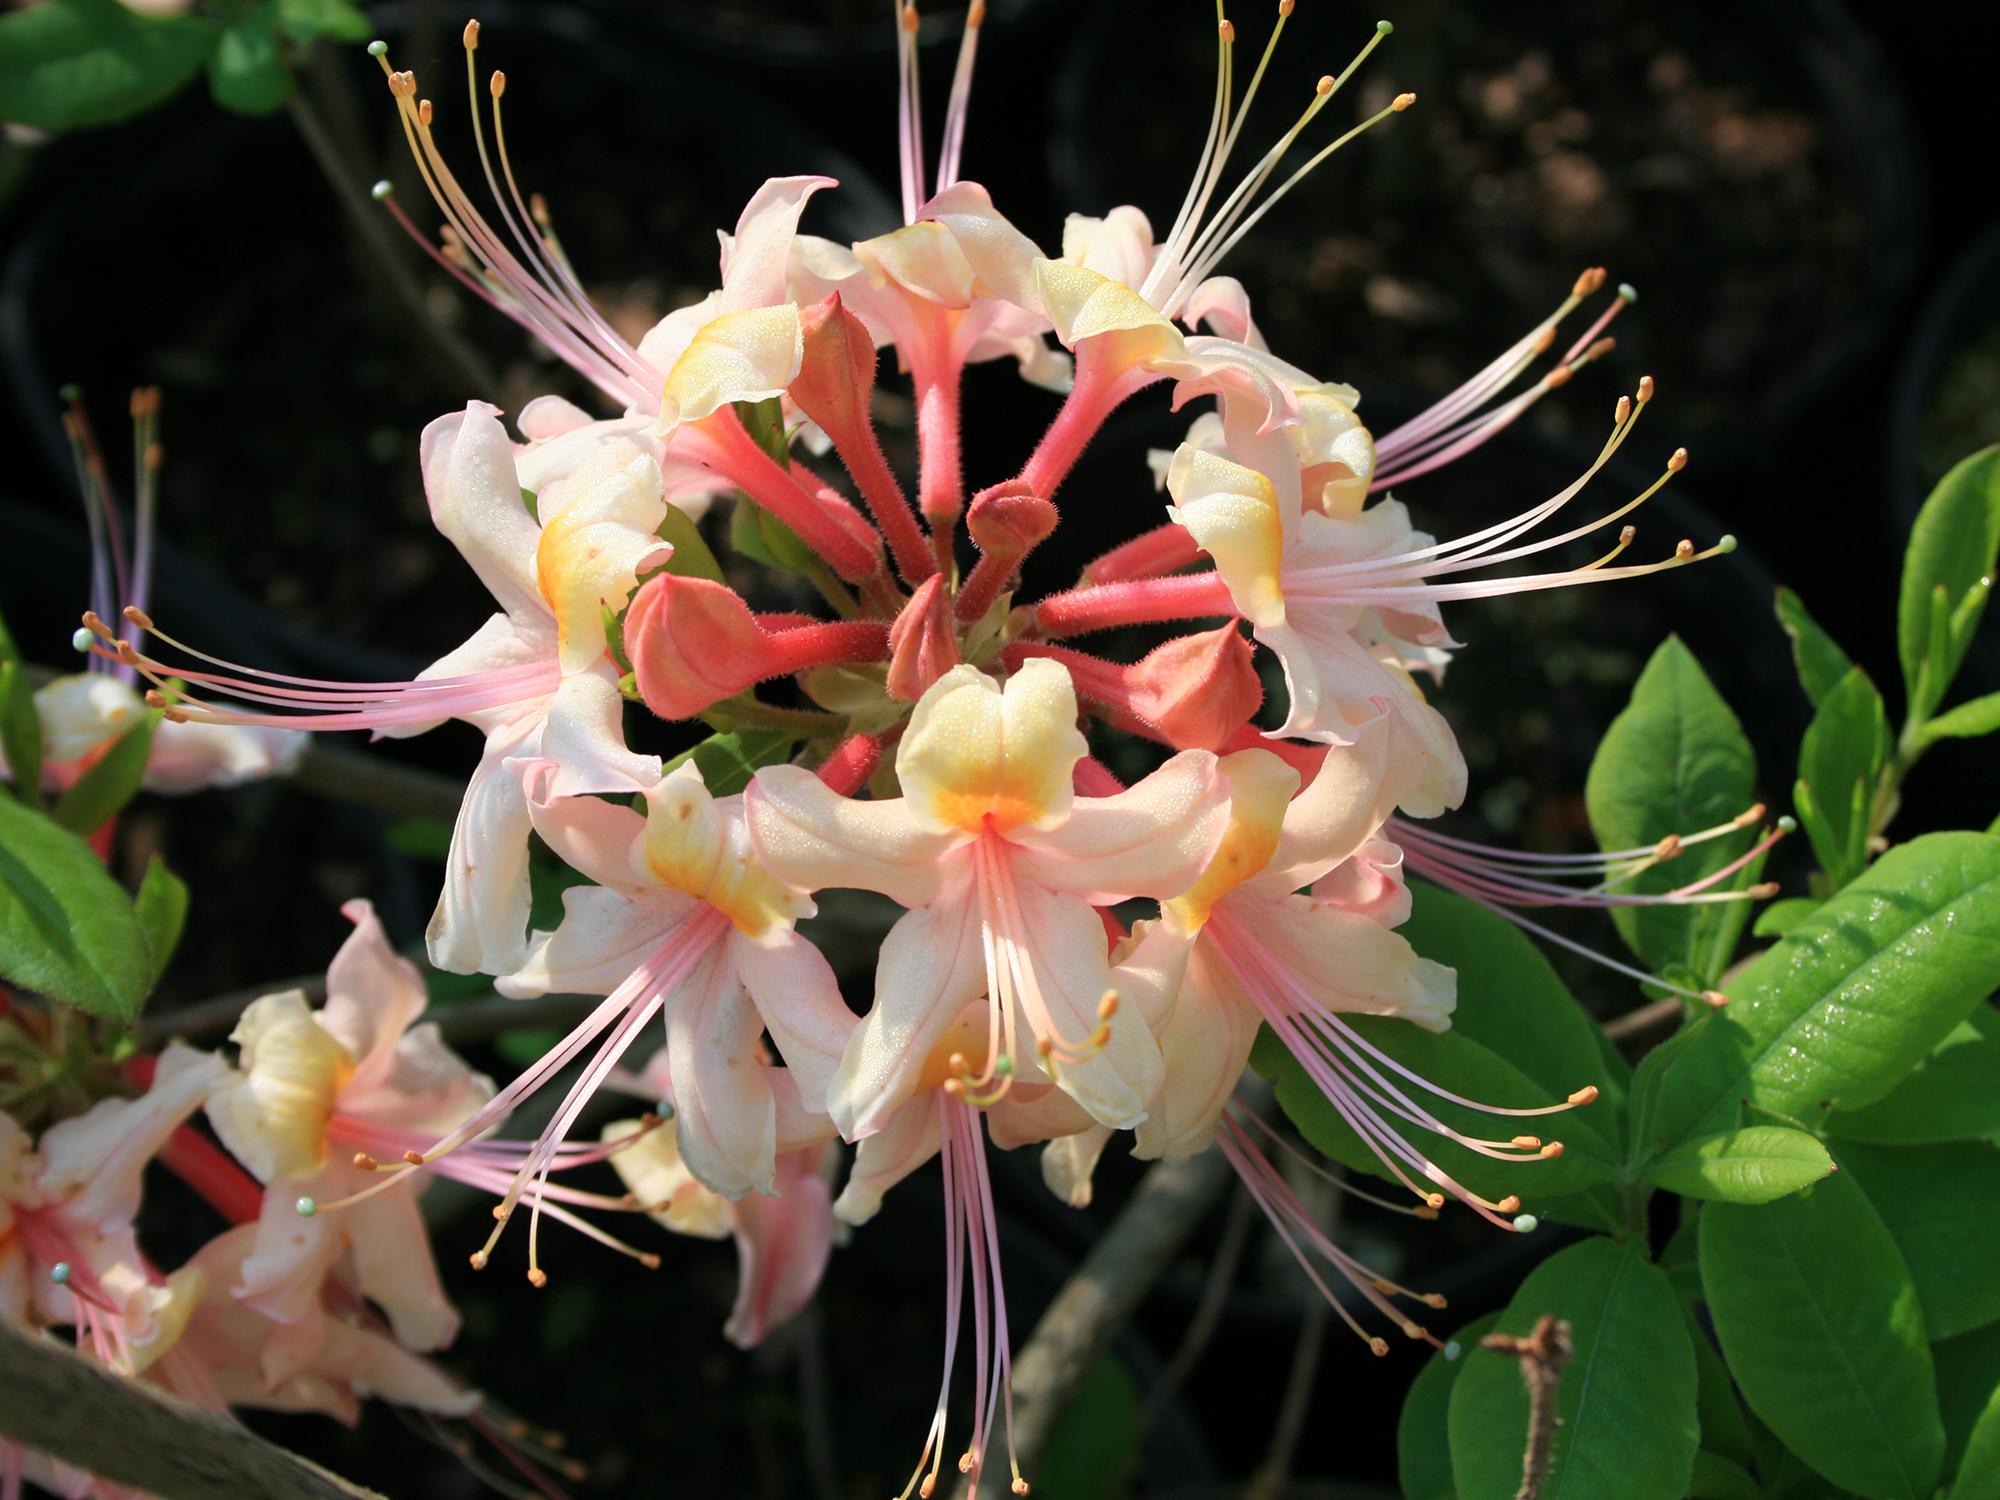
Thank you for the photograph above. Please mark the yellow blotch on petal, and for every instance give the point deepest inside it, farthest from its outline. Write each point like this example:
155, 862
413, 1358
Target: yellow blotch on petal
1261, 787
922, 258
599, 526
693, 847
275, 1117
1336, 454
961, 1050
740, 356
650, 1165
977, 755
1232, 513
1084, 304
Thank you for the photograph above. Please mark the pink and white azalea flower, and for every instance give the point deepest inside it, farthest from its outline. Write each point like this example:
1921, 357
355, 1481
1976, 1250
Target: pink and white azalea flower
536, 678
683, 921
782, 1241
68, 1252
318, 1099
1000, 864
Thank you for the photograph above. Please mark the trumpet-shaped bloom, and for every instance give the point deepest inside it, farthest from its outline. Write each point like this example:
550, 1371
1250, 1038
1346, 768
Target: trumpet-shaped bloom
1274, 561
782, 1241
68, 1253
999, 863
319, 1098
683, 921
535, 678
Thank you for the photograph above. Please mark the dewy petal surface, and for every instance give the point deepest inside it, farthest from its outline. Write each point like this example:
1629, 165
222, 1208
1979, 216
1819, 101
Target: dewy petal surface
814, 838
977, 754
1151, 839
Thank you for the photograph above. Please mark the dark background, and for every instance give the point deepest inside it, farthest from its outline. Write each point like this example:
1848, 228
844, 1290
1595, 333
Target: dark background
1801, 192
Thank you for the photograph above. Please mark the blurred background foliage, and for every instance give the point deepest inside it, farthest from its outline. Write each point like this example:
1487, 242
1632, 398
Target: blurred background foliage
1820, 304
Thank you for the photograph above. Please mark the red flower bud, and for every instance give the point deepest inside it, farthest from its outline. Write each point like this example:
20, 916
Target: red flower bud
693, 643
922, 647
1198, 689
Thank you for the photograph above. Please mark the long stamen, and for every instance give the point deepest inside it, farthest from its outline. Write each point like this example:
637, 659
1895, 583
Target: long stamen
909, 110
961, 97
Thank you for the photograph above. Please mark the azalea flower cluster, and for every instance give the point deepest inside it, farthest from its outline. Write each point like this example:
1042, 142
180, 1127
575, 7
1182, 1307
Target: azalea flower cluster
1076, 959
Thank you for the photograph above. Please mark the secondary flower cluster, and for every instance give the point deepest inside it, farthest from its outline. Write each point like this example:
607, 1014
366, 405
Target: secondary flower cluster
945, 761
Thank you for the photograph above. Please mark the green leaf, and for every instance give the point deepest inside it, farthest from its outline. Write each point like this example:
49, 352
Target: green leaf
161, 908
1840, 763
98, 795
1953, 1095
1837, 1013
760, 536
1717, 1478
1979, 1472
692, 557
245, 72
1968, 1379
1780, 917
1822, 1328
727, 761
1753, 1165
1675, 761
1942, 1208
1423, 1449
1098, 1428
66, 930
1723, 1428
1821, 663
1648, 1084
1952, 548
69, 63
1966, 722
304, 21
1680, 1257
1626, 1404
21, 732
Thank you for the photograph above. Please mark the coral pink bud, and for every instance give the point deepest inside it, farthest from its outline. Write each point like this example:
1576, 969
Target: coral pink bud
693, 643
1197, 689
835, 380
922, 647
1007, 522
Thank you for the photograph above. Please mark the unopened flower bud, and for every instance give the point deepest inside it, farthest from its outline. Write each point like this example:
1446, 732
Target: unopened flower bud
922, 647
1197, 689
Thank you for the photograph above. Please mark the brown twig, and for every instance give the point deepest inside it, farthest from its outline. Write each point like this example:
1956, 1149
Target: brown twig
1543, 1354
64, 1405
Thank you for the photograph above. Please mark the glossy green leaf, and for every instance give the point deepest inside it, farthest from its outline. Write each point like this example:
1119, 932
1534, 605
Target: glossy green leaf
1968, 721
245, 71
1840, 763
69, 63
1953, 1095
1822, 1328
20, 732
1626, 1404
692, 557
1423, 1448
66, 930
1968, 1380
1942, 1207
1647, 1139
1718, 1478
308, 20
1680, 1257
101, 792
1752, 1165
728, 761
1979, 1472
161, 908
1820, 661
1837, 1013
1723, 1428
1780, 917
1675, 761
1953, 547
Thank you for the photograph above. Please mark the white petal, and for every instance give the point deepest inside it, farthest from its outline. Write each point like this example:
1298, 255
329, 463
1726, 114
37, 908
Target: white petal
907, 1140
812, 838
1152, 839
481, 921
724, 1115
799, 998
475, 498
